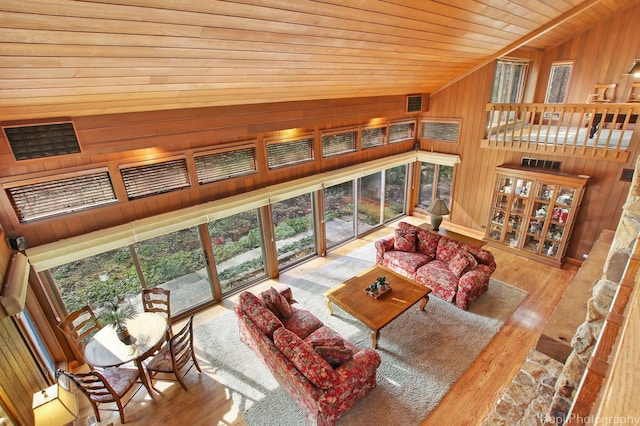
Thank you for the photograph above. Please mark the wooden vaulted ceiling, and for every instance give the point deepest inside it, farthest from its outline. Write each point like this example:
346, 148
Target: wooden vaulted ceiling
61, 58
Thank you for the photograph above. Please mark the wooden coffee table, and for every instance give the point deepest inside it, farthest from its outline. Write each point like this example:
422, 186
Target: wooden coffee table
377, 313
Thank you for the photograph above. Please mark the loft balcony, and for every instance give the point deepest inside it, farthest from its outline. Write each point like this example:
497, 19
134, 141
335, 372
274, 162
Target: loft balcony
595, 131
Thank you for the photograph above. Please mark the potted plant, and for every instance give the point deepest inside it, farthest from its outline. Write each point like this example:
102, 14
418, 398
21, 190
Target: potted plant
117, 314
377, 288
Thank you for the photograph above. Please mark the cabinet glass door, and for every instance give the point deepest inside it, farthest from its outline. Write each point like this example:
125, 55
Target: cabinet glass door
560, 211
509, 209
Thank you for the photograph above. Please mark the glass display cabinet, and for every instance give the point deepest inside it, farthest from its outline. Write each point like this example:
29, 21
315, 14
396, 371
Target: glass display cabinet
533, 211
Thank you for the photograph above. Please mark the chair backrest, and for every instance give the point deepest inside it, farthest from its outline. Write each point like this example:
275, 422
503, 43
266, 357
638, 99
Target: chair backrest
181, 346
93, 384
602, 93
80, 325
157, 300
634, 93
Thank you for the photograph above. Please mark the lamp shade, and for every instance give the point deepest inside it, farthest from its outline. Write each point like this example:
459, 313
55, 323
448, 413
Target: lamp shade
438, 207
54, 406
635, 68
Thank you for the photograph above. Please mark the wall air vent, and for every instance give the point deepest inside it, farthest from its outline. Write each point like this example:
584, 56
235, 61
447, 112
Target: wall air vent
43, 140
540, 164
414, 103
626, 175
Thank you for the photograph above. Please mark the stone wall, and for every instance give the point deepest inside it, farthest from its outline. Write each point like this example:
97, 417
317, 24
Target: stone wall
603, 292
528, 400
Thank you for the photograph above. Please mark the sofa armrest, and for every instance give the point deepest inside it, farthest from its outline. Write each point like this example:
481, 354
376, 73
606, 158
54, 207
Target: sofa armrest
476, 277
383, 245
360, 366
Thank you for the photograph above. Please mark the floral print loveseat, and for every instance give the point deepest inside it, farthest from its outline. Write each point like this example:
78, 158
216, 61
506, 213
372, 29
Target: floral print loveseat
455, 271
324, 374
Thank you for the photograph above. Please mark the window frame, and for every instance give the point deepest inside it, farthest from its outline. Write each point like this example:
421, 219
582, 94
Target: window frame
281, 141
8, 186
428, 120
399, 123
335, 132
385, 136
503, 78
556, 65
246, 146
129, 166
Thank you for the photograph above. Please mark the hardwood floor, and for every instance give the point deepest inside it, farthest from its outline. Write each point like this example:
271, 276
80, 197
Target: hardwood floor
469, 401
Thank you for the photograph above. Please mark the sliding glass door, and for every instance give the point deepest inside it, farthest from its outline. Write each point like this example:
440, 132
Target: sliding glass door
294, 230
176, 262
338, 213
238, 250
369, 202
395, 182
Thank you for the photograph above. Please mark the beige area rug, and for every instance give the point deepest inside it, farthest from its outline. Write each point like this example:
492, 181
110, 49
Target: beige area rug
423, 353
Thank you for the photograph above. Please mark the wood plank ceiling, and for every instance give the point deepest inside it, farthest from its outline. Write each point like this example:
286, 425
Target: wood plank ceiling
61, 58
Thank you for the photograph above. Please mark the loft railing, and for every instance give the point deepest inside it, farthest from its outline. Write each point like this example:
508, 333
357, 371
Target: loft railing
602, 131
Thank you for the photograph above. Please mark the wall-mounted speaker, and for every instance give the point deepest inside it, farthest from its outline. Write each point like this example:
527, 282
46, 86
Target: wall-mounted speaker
17, 243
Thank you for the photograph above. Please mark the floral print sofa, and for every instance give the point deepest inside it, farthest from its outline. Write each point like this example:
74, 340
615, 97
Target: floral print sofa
455, 271
288, 338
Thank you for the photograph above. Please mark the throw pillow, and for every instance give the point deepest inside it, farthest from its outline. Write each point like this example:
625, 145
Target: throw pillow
266, 300
405, 241
461, 263
334, 355
263, 318
428, 243
473, 262
304, 358
281, 303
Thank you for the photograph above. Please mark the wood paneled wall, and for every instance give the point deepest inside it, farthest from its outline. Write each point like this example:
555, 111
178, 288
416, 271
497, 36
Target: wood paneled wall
113, 140
601, 55
19, 374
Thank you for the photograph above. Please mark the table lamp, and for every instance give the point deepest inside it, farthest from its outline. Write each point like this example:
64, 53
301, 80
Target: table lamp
437, 210
54, 406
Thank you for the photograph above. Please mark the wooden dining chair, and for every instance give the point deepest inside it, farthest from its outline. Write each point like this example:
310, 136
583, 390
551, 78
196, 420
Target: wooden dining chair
158, 300
175, 355
79, 326
110, 385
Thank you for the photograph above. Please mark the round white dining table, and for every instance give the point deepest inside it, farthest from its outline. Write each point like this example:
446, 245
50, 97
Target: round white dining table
148, 331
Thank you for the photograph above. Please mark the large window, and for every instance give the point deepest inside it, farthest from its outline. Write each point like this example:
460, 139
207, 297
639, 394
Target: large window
294, 230
394, 192
436, 181
558, 86
176, 259
98, 279
338, 213
369, 202
509, 81
237, 250
176, 262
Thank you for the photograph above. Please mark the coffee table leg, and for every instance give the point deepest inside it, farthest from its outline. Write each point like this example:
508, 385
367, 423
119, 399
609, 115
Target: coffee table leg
374, 339
424, 302
329, 306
